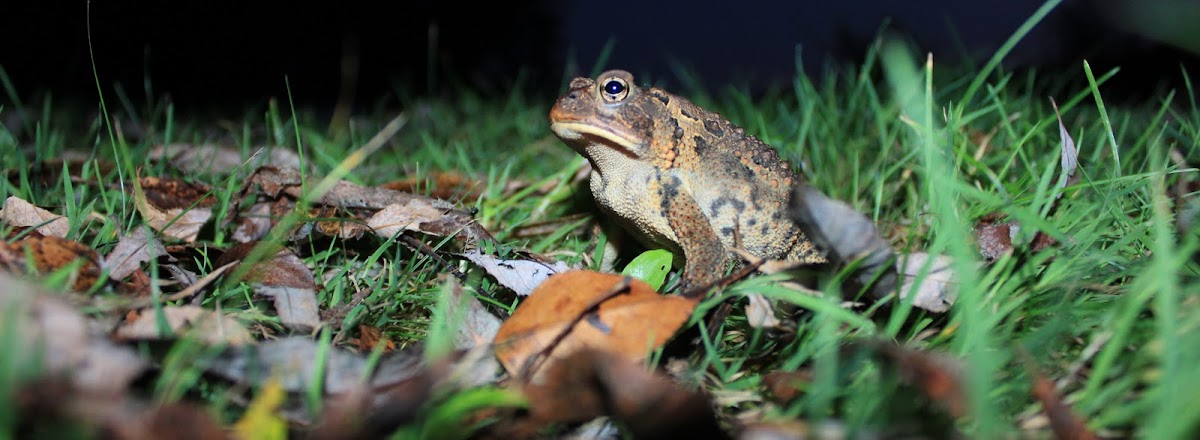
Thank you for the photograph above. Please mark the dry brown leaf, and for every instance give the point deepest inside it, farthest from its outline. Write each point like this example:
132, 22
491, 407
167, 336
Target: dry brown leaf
520, 276
175, 208
285, 279
131, 251
592, 383
51, 254
581, 309
202, 323
221, 159
18, 212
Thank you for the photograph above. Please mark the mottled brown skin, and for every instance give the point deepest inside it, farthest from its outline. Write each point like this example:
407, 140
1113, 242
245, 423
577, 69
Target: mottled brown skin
680, 177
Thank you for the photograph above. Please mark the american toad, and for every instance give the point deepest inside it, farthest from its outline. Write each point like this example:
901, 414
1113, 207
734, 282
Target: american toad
680, 177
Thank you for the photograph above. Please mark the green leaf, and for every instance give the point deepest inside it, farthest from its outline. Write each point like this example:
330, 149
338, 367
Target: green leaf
651, 266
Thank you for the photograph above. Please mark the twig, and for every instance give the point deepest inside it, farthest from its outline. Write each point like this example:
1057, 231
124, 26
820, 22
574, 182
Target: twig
420, 246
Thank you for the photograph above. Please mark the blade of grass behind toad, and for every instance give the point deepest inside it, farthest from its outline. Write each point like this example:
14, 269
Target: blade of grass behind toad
938, 181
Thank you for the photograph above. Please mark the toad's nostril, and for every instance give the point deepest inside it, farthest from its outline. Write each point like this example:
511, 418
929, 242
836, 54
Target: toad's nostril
573, 95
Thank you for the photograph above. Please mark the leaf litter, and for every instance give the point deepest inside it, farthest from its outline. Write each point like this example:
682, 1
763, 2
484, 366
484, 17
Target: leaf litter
574, 348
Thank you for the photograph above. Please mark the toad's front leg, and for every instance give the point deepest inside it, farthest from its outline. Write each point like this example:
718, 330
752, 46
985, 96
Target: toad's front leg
703, 253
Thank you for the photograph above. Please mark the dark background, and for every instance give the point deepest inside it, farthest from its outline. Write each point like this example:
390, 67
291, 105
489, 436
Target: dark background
222, 55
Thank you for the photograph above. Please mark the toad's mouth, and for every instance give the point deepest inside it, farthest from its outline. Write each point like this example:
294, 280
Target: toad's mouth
581, 135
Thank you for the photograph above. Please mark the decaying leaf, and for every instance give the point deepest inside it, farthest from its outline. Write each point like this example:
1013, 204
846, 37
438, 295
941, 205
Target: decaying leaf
18, 212
253, 224
786, 386
760, 313
369, 336
937, 375
591, 383
201, 323
175, 208
520, 276
212, 158
131, 252
328, 221
581, 309
996, 238
441, 185
846, 236
293, 362
54, 339
112, 415
407, 216
476, 325
285, 279
787, 429
1069, 155
1063, 421
50, 254
409, 211
937, 290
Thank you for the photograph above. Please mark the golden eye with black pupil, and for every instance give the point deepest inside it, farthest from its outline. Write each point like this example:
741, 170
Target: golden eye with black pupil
614, 89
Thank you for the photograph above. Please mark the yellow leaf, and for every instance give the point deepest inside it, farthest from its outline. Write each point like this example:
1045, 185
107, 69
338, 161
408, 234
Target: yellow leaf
260, 422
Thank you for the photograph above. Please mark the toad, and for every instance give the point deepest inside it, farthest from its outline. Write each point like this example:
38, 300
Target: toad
679, 177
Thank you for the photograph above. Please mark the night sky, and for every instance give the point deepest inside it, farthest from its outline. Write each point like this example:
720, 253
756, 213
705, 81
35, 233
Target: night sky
225, 55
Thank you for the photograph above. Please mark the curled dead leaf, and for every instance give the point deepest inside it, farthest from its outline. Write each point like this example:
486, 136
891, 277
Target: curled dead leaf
591, 383
173, 207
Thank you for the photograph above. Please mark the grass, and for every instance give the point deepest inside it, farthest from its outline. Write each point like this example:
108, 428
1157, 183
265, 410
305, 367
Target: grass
1110, 312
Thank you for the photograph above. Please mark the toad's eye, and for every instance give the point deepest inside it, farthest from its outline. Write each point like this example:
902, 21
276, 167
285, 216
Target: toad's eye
615, 89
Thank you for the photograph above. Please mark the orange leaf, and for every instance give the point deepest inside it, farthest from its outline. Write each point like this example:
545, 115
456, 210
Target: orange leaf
582, 309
